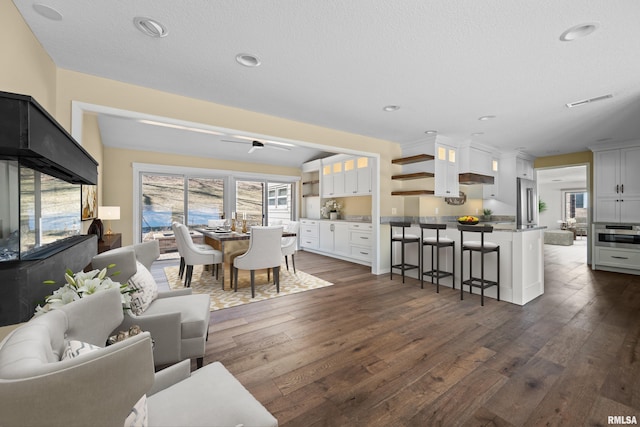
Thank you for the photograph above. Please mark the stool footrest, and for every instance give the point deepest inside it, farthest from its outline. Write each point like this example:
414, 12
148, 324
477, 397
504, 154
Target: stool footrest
477, 282
437, 274
406, 266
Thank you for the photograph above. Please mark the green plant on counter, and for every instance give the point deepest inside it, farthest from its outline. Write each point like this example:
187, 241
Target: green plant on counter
487, 212
542, 206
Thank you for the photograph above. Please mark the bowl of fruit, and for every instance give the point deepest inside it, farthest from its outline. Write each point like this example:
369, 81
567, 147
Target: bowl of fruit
468, 220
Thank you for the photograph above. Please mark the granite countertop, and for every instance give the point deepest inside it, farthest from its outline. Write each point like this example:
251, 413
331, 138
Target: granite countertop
362, 219
499, 225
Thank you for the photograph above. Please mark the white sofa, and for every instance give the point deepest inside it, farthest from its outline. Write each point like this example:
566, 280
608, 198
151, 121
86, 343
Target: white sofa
101, 387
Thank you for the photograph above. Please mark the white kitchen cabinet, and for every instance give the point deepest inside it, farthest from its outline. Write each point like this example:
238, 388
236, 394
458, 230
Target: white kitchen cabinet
492, 191
446, 171
617, 258
332, 177
617, 185
357, 176
361, 241
475, 160
350, 241
309, 232
334, 237
524, 168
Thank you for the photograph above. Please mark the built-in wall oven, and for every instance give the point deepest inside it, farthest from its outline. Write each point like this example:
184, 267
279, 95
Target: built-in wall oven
617, 236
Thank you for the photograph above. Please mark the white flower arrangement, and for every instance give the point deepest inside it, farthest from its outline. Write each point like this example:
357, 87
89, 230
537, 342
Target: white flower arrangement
330, 206
80, 285
571, 221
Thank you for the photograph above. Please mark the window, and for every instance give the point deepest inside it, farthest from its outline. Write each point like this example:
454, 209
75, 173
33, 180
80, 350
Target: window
279, 198
575, 204
189, 200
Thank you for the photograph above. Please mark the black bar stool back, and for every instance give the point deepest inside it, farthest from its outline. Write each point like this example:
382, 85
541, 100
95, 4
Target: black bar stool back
403, 238
436, 243
483, 247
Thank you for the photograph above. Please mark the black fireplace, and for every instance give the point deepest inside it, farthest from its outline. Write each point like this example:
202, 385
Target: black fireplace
42, 169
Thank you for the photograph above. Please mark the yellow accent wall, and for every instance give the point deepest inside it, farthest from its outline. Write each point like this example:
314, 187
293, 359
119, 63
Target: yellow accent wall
571, 159
26, 68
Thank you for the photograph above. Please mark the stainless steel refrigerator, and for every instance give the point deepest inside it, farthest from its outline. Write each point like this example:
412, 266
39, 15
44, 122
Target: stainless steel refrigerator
527, 209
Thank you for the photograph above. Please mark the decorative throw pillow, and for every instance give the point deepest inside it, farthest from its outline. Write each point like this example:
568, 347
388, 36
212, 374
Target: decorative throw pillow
145, 289
138, 415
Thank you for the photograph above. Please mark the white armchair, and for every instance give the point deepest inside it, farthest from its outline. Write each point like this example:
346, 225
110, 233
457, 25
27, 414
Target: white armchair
264, 252
41, 387
194, 254
290, 244
177, 320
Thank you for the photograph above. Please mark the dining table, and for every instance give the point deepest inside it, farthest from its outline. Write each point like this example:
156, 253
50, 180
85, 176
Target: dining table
231, 244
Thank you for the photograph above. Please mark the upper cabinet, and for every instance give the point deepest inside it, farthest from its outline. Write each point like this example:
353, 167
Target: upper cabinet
524, 167
357, 176
474, 159
492, 191
617, 185
446, 171
344, 175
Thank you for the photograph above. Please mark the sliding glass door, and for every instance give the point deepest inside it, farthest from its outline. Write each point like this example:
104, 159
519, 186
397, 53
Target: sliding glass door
188, 200
264, 202
250, 202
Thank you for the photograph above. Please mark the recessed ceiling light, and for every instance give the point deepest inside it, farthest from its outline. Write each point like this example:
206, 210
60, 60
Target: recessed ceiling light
47, 11
390, 108
579, 31
604, 139
588, 101
556, 180
150, 27
247, 60
477, 133
430, 132
485, 118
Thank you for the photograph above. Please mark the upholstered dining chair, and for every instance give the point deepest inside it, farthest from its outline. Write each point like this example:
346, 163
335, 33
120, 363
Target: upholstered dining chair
181, 247
265, 251
195, 255
290, 244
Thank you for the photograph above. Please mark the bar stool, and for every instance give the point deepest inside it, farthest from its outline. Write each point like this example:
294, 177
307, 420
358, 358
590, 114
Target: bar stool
436, 243
403, 238
483, 247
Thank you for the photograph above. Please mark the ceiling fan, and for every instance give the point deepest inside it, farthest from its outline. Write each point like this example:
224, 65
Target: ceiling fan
257, 145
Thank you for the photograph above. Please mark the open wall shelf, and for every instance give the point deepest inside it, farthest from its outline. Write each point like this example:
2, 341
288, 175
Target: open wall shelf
412, 159
417, 175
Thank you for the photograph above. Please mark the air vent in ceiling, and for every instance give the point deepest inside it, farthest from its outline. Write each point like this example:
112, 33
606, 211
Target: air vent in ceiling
589, 101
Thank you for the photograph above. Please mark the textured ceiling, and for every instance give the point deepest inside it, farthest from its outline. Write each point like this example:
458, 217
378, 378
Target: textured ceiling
337, 63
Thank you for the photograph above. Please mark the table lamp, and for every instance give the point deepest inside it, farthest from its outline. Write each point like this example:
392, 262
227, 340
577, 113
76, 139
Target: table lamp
109, 213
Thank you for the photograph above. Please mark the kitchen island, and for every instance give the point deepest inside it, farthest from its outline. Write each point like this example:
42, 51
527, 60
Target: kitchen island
521, 260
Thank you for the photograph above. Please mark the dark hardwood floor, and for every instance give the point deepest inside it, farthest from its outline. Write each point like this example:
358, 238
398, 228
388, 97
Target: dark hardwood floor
369, 351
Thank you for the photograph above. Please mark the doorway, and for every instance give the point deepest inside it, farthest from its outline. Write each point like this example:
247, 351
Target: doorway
566, 205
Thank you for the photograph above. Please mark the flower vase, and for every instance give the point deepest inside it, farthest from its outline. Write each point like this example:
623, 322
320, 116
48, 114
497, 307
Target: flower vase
333, 215
233, 225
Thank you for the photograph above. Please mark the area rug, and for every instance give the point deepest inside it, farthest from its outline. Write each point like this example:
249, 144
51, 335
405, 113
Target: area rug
203, 282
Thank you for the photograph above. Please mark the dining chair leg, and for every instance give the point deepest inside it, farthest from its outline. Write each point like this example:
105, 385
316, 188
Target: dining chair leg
181, 270
286, 261
276, 278
187, 279
293, 261
253, 277
268, 275
234, 279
